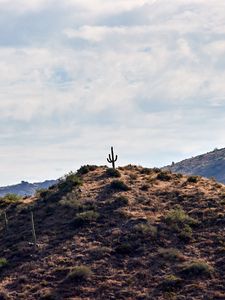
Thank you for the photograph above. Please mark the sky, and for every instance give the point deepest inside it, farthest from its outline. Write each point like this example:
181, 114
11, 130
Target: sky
80, 76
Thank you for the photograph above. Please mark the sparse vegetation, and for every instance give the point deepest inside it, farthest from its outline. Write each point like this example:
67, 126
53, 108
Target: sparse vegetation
192, 179
179, 217
79, 273
85, 217
3, 262
164, 176
119, 185
10, 198
110, 172
121, 201
146, 229
171, 283
170, 254
196, 269
86, 169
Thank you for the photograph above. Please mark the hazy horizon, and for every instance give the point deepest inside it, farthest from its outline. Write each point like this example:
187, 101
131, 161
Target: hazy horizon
79, 76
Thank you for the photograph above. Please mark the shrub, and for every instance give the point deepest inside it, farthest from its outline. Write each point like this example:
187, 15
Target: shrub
171, 282
124, 249
110, 172
69, 181
85, 218
170, 254
119, 185
186, 233
11, 198
196, 269
146, 171
85, 169
99, 252
146, 229
3, 262
192, 179
179, 217
79, 273
164, 176
43, 193
121, 201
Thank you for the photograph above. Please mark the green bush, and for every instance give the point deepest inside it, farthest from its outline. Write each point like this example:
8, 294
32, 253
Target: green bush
85, 218
3, 262
196, 269
121, 201
86, 169
119, 185
170, 254
185, 233
110, 172
164, 176
192, 179
179, 217
69, 181
146, 171
146, 230
79, 273
11, 198
171, 283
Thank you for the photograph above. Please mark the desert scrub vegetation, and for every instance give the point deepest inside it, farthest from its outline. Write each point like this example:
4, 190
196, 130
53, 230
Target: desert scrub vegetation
3, 262
193, 179
110, 172
164, 176
85, 218
79, 274
178, 216
146, 171
170, 254
10, 198
86, 169
180, 222
69, 181
170, 283
121, 201
196, 269
119, 185
146, 230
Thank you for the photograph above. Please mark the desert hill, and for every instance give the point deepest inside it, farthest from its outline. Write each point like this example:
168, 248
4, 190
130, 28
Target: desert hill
211, 164
25, 188
133, 233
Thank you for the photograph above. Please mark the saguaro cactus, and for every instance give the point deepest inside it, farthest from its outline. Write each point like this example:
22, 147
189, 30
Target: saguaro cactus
6, 221
112, 159
33, 230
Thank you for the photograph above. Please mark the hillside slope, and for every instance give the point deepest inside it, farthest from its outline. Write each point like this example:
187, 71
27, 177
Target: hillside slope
211, 164
25, 188
144, 235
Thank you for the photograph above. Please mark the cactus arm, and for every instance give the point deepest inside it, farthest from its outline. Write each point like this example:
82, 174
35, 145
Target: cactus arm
116, 157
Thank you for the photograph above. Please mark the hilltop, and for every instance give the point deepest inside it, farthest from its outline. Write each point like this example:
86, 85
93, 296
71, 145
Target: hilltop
211, 164
130, 233
25, 188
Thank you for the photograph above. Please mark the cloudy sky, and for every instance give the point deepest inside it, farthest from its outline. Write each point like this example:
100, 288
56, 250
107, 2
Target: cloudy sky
78, 76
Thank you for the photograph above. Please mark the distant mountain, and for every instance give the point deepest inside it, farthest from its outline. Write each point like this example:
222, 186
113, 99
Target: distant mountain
211, 164
25, 188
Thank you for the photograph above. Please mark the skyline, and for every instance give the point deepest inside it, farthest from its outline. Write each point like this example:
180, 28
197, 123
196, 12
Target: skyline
81, 76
